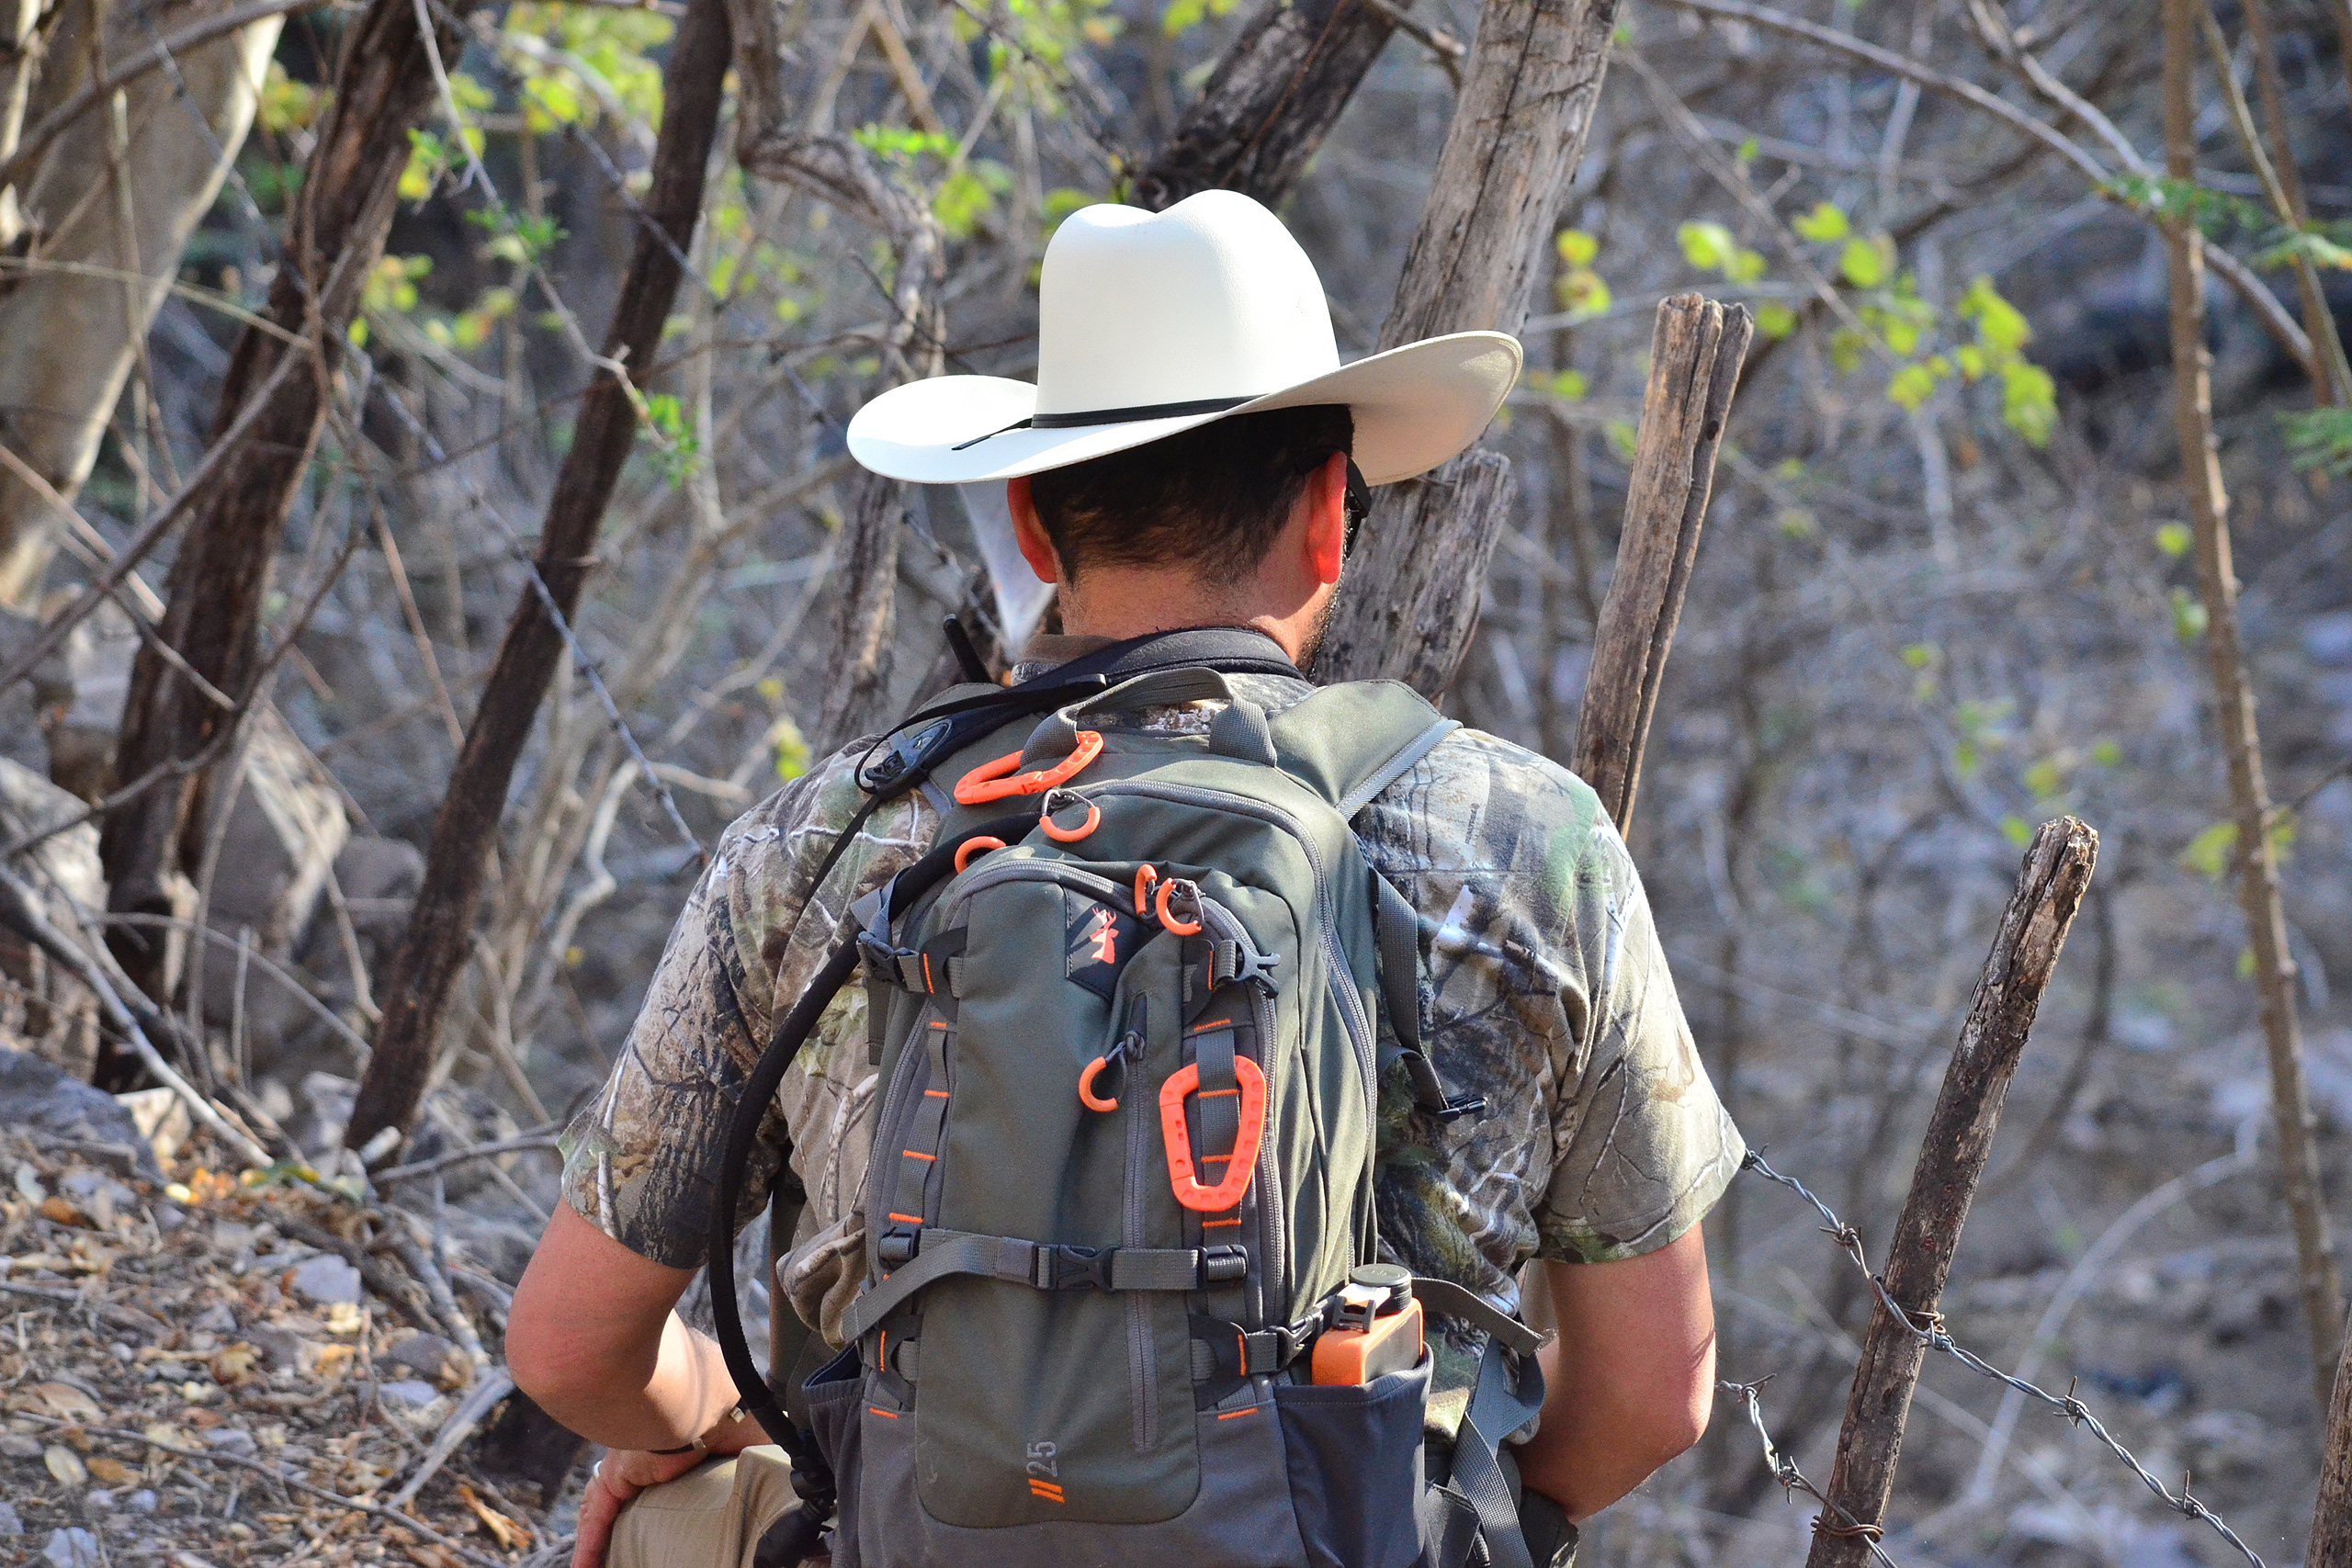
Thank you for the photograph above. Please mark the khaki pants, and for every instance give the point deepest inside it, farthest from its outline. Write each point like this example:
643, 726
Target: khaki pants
712, 1517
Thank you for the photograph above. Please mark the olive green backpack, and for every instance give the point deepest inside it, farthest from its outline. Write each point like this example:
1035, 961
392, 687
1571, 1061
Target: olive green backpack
1131, 1013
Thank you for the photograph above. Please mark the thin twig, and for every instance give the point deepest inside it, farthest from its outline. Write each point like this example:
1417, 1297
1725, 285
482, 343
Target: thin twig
406, 1522
535, 1139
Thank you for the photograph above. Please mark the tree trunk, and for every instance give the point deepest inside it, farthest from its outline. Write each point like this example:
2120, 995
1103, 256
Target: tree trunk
438, 936
67, 341
1275, 93
861, 629
1951, 1161
2233, 715
1410, 601
2331, 1542
384, 84
1695, 355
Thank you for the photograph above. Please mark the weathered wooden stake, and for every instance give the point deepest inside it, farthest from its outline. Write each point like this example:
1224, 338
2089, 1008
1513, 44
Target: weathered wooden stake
2331, 1543
1951, 1160
1696, 351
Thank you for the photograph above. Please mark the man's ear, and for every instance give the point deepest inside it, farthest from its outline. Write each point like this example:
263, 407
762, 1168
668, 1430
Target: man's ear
1030, 534
1326, 500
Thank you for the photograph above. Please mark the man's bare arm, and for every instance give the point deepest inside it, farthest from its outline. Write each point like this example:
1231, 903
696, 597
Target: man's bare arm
1630, 1381
593, 1338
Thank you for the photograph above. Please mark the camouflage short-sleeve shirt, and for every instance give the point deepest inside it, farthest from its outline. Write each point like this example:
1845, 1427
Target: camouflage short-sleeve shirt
1546, 991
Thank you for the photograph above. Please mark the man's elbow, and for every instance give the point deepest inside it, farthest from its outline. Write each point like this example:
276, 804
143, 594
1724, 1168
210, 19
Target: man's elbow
1680, 1423
543, 1363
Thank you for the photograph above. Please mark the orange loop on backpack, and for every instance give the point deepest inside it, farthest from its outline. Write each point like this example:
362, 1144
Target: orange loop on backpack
974, 846
988, 781
1174, 926
1239, 1164
1060, 835
1086, 1095
1145, 876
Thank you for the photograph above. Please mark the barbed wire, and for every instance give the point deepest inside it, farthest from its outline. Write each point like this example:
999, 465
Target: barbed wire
1792, 1479
1932, 1334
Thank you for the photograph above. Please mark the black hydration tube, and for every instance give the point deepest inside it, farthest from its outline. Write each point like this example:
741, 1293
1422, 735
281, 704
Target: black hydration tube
812, 1479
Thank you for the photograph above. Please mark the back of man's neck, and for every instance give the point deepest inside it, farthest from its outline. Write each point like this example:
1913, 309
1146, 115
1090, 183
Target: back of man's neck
1114, 606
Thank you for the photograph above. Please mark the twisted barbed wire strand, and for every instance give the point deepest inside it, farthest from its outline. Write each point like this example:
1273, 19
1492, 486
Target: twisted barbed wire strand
1933, 1335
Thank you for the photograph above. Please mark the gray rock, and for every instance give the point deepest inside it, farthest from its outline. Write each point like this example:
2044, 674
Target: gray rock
428, 1356
73, 1547
9, 1524
215, 1319
16, 1445
327, 1280
408, 1393
99, 1500
40, 1099
142, 1501
235, 1441
46, 1011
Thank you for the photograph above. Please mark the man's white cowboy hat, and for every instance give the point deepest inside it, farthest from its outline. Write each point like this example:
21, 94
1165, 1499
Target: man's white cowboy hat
1151, 323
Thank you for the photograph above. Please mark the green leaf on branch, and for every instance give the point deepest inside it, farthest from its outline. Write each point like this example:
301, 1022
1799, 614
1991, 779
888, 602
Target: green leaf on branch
2174, 538
1775, 320
1575, 247
1824, 225
1706, 245
1866, 263
2188, 618
2209, 853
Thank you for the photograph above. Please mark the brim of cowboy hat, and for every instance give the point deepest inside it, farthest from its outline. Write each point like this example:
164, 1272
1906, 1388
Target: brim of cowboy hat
1414, 407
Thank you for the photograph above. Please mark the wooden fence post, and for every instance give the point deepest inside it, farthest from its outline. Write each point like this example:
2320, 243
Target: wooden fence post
1696, 352
2049, 890
2331, 1542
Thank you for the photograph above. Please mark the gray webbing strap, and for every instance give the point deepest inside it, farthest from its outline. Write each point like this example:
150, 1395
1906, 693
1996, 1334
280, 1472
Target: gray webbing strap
948, 1255
1395, 767
1508, 1397
1447, 1299
1397, 932
919, 1160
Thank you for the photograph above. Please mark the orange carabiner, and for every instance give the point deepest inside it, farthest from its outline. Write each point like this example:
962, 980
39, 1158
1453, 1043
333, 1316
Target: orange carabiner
1239, 1164
1159, 905
1145, 876
1086, 1095
980, 845
1060, 835
987, 782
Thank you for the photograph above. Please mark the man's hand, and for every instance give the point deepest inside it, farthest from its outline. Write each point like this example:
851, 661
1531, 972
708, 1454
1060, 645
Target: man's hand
619, 1476
1630, 1382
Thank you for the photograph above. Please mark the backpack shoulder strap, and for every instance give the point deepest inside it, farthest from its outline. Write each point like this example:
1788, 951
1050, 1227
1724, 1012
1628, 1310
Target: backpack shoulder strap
1351, 741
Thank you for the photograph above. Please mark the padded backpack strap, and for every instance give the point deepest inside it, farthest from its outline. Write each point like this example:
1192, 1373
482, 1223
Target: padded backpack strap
1508, 1396
1397, 934
1351, 741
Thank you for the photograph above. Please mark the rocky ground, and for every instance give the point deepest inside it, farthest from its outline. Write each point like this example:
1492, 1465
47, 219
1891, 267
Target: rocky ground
206, 1370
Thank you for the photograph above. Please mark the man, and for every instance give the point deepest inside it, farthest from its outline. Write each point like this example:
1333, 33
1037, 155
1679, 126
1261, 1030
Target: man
1155, 500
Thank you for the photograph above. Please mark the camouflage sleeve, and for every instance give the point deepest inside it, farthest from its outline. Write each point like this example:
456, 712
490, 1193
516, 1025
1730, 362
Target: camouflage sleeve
641, 1159
1643, 1148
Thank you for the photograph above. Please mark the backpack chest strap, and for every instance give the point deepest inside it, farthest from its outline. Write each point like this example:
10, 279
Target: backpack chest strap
948, 1255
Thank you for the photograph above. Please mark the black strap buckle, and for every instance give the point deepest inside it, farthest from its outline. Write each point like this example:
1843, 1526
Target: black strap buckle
1073, 1267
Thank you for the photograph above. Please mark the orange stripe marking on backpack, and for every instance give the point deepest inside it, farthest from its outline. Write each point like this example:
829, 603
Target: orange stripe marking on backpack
1237, 1414
890, 1415
917, 1154
934, 1094
910, 1219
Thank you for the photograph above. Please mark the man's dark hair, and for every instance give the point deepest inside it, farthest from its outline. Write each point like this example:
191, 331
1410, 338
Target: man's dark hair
1212, 499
